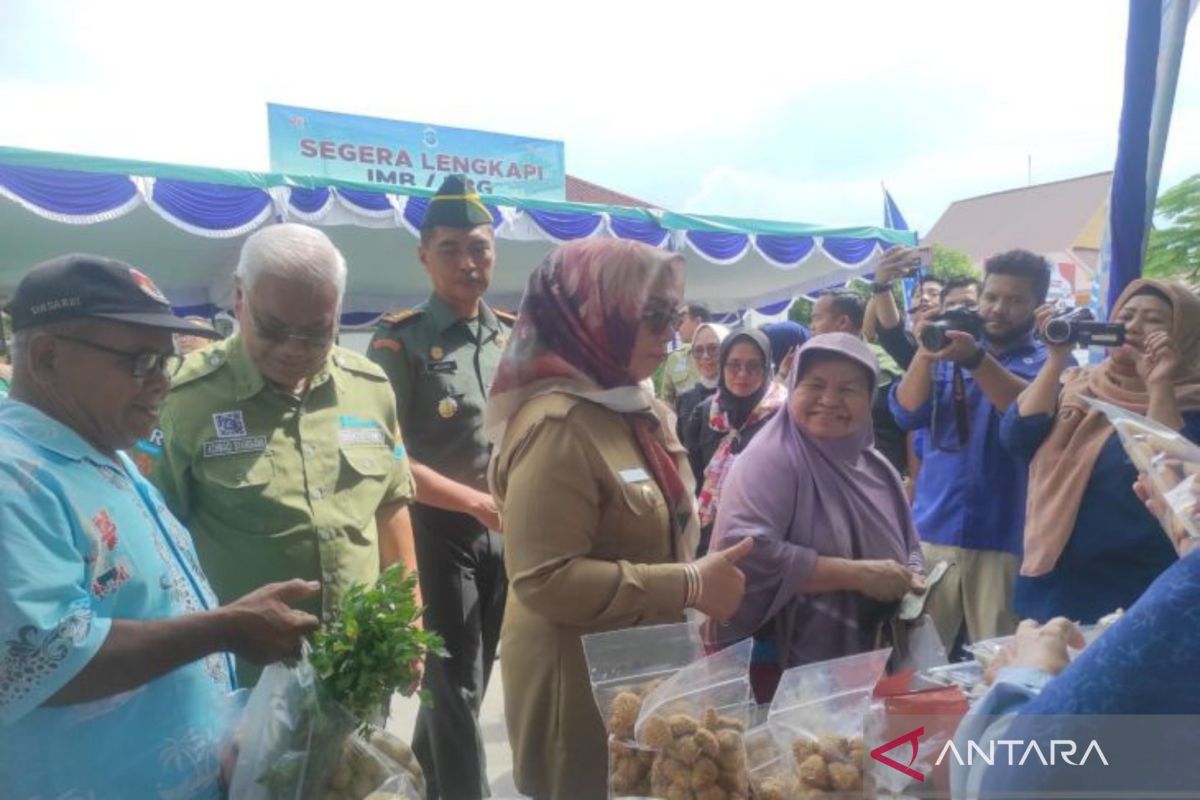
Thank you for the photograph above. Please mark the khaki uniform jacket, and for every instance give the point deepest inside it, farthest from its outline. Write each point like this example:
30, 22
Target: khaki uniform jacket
588, 548
272, 488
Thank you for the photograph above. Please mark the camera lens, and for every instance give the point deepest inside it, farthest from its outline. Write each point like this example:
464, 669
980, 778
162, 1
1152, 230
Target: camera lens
1058, 331
933, 336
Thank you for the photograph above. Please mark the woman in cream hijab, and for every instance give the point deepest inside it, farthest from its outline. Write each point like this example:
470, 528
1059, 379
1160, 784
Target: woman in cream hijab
1090, 545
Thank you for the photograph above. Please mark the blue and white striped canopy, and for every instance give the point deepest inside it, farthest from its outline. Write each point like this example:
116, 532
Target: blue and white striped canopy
184, 227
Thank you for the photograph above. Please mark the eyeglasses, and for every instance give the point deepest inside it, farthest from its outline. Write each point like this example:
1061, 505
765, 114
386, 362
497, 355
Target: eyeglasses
659, 319
751, 368
141, 364
277, 333
706, 350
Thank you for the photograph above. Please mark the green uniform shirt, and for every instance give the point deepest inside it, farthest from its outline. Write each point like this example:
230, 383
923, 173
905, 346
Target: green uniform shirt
272, 487
680, 373
441, 368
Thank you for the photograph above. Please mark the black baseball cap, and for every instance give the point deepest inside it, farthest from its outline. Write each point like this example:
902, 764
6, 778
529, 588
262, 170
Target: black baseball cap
83, 286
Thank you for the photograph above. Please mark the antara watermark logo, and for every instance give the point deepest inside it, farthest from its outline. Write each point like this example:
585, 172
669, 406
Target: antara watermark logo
1010, 752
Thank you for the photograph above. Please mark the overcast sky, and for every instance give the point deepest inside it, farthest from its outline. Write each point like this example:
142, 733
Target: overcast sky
794, 111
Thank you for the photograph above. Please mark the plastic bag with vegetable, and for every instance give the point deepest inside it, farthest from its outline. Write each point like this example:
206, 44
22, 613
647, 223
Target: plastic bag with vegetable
308, 726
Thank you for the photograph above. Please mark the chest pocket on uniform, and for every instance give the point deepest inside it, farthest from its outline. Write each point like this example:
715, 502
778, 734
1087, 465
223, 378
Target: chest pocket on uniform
367, 462
244, 472
642, 497
362, 481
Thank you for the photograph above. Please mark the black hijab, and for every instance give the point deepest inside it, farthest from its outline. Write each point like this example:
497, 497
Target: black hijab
738, 408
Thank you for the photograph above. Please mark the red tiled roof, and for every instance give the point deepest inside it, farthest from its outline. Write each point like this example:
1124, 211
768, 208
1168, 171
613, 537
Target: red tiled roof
581, 191
1044, 218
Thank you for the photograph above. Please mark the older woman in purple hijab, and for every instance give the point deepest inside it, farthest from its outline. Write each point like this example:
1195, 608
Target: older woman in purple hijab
835, 547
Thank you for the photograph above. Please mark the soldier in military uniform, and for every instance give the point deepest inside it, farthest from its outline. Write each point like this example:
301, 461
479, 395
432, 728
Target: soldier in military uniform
280, 452
679, 371
441, 358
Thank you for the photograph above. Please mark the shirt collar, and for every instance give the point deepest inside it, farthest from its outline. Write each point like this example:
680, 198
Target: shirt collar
47, 433
443, 316
248, 381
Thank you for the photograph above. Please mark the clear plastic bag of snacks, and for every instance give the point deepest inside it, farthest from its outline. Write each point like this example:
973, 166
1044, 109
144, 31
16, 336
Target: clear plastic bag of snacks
819, 712
1168, 459
695, 721
624, 667
770, 766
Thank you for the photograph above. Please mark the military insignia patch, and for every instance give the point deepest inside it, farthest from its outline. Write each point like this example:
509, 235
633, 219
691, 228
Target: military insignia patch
387, 344
229, 424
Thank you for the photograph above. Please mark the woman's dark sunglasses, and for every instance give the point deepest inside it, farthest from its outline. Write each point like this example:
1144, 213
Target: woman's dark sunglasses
659, 319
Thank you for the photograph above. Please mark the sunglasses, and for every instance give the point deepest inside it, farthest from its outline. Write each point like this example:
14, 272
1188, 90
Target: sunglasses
706, 350
660, 319
278, 333
141, 365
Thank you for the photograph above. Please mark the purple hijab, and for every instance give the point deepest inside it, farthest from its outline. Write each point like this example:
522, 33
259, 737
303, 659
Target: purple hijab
801, 498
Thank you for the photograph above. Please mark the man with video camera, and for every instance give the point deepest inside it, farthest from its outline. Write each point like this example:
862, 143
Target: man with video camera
970, 494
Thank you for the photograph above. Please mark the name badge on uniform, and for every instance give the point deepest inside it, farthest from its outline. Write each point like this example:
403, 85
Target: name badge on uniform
441, 367
635, 475
232, 447
361, 436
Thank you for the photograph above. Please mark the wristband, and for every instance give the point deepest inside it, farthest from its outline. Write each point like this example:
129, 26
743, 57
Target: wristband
971, 364
880, 288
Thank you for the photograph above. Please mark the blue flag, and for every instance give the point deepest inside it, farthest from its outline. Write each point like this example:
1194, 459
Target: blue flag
1153, 50
892, 218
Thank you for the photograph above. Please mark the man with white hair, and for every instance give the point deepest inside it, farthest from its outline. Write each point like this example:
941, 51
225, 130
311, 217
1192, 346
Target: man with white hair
281, 452
113, 670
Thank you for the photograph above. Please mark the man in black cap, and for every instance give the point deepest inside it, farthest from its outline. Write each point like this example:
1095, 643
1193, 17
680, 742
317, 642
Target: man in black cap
441, 358
101, 593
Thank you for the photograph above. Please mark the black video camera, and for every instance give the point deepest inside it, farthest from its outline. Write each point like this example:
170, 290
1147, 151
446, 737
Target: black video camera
965, 319
1079, 326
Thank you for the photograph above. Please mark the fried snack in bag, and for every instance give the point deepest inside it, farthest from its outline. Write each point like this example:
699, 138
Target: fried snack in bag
624, 667
695, 721
819, 713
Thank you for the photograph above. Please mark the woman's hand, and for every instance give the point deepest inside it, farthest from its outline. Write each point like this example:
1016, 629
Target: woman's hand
1042, 647
1157, 360
722, 584
886, 580
1148, 493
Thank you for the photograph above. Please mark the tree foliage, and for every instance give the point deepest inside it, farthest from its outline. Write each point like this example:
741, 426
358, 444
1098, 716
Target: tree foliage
1174, 248
950, 263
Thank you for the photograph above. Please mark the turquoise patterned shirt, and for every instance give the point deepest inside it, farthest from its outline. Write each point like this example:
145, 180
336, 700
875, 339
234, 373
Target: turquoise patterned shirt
85, 540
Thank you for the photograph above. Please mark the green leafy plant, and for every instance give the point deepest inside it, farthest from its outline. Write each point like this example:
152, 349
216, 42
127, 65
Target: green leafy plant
1174, 247
372, 647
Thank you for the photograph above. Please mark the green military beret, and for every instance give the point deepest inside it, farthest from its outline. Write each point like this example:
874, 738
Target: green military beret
455, 206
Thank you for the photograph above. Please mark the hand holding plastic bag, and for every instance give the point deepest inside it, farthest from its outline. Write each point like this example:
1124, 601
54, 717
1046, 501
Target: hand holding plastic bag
1169, 464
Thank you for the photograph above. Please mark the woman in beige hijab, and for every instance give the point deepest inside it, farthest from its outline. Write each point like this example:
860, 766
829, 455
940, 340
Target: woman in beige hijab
1090, 545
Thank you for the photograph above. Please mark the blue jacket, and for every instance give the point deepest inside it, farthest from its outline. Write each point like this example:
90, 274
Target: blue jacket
969, 495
